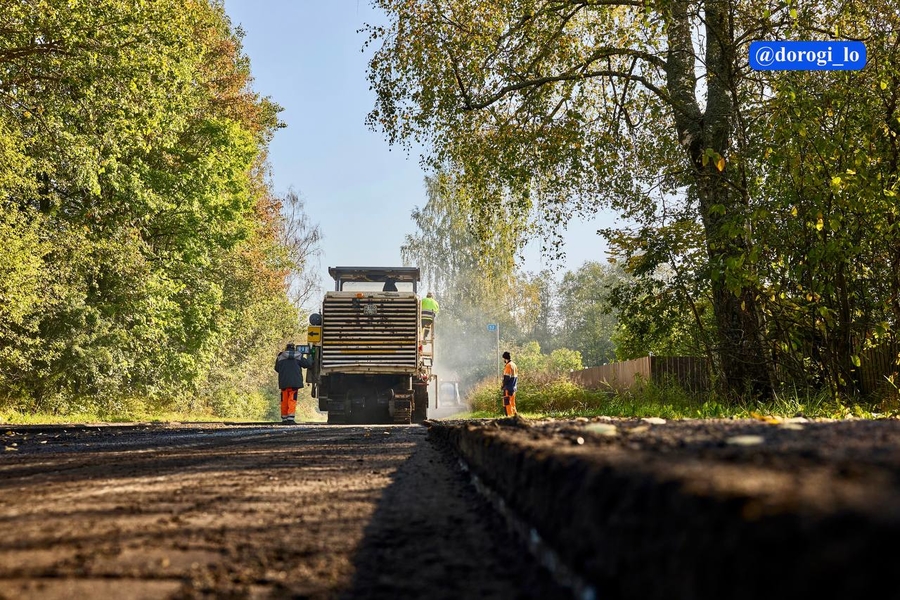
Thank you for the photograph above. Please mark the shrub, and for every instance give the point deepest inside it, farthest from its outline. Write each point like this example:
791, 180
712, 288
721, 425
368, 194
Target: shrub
485, 397
252, 406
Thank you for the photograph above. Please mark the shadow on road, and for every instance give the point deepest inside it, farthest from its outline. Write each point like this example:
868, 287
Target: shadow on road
432, 536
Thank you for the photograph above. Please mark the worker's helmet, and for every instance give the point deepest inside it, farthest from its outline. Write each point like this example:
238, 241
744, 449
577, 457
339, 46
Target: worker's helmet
507, 356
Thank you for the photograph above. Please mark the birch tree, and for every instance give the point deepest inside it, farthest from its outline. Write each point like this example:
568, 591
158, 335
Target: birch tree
570, 105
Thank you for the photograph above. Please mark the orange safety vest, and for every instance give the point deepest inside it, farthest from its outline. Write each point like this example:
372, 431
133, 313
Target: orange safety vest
510, 377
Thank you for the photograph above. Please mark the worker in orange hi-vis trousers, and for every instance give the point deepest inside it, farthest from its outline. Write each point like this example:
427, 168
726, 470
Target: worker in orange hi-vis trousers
290, 380
510, 382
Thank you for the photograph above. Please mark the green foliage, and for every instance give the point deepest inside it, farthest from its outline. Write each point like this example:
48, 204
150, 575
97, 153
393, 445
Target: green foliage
543, 382
21, 288
558, 108
458, 263
828, 225
534, 364
475, 282
144, 262
530, 360
563, 360
761, 207
588, 318
665, 400
256, 405
560, 398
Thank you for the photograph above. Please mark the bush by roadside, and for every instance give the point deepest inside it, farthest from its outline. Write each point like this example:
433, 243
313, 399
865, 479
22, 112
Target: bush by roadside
556, 396
257, 406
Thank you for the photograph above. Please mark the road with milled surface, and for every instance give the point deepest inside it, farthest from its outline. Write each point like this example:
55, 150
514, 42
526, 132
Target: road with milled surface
616, 509
248, 511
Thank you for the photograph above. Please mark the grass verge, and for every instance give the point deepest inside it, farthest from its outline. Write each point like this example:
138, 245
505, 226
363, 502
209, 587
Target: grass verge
560, 398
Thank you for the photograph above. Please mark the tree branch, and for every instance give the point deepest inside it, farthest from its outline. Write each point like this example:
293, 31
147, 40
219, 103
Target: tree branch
12, 54
681, 79
578, 73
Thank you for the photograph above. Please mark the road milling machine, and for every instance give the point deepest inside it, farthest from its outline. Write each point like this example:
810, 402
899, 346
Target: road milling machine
372, 347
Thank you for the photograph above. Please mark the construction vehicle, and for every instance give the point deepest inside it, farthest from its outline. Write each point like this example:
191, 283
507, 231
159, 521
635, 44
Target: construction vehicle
449, 393
372, 347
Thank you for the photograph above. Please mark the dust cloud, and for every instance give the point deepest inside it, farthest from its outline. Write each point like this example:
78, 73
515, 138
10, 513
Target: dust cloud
465, 354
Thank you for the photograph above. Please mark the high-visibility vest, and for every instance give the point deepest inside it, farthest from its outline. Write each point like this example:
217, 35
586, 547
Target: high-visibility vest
510, 377
430, 304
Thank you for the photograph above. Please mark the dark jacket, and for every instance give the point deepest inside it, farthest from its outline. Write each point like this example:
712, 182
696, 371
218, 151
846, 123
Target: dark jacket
288, 366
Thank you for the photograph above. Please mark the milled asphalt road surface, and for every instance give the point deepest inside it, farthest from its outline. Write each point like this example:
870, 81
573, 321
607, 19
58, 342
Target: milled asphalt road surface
622, 509
706, 509
264, 511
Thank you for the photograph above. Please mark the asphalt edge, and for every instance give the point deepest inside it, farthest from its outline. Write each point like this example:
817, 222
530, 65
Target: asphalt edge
632, 532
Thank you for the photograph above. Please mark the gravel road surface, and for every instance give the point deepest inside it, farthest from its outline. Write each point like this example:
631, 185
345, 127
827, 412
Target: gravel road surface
701, 509
619, 509
264, 511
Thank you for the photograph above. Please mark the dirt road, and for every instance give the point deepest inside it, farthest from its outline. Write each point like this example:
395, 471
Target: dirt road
266, 511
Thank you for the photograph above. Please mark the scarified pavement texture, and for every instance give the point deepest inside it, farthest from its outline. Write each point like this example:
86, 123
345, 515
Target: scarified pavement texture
702, 509
225, 511
627, 509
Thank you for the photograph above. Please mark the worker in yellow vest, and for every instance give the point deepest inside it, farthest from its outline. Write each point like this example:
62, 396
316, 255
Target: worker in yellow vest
429, 303
430, 310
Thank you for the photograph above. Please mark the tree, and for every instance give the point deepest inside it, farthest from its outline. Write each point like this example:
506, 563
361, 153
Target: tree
537, 366
300, 238
829, 229
475, 282
82, 181
133, 179
587, 317
574, 103
539, 291
663, 298
459, 264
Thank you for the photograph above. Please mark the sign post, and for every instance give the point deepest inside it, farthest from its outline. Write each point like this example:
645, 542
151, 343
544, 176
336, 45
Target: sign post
496, 327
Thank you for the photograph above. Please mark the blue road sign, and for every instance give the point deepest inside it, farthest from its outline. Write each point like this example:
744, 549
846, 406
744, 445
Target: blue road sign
492, 327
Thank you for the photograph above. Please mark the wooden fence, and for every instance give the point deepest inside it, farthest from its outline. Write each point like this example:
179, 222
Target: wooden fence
690, 373
876, 366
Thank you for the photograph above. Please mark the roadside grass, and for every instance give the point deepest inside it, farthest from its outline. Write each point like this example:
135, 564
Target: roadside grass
14, 417
562, 399
253, 408
537, 398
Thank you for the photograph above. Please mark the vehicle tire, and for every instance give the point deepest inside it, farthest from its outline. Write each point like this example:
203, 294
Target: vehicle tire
420, 401
337, 417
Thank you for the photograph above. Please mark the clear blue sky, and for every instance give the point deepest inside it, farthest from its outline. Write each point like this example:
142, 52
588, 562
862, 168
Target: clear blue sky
306, 55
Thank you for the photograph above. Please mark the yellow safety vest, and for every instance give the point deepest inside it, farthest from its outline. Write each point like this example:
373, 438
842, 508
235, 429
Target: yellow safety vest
430, 304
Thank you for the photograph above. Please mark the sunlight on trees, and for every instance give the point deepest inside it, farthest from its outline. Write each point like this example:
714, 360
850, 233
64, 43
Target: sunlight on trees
145, 259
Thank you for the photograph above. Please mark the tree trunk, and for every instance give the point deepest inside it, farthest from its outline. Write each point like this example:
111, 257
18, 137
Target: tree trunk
706, 136
745, 364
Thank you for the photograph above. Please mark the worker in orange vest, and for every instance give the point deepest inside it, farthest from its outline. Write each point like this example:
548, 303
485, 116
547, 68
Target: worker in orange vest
510, 382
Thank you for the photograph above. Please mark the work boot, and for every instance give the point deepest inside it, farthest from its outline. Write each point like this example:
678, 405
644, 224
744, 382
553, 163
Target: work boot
288, 422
